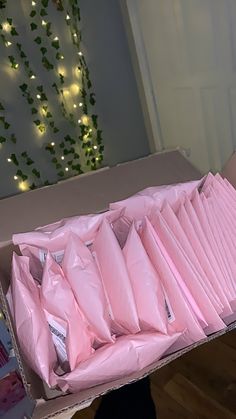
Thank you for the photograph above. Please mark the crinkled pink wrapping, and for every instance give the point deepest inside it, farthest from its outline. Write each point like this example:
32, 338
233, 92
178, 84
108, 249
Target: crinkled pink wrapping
198, 240
148, 291
82, 273
211, 233
141, 204
206, 313
174, 287
177, 231
116, 281
31, 326
58, 300
127, 355
54, 236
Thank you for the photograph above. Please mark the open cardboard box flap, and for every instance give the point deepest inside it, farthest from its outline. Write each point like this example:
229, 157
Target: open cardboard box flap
83, 195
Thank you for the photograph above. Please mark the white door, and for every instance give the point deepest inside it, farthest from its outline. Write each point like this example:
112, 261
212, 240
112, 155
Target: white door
187, 55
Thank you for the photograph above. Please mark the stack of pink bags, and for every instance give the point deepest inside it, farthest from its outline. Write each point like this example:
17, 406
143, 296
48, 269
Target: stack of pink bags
95, 298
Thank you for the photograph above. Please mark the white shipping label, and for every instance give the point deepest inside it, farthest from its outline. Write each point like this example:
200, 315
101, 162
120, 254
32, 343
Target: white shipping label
59, 339
169, 311
57, 256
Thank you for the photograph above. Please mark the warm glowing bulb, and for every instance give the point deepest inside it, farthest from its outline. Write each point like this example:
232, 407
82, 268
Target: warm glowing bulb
52, 144
9, 160
95, 147
67, 17
74, 35
33, 76
90, 130
56, 38
74, 88
85, 119
80, 53
23, 186
80, 104
79, 121
97, 158
33, 3
62, 157
8, 43
66, 169
62, 57
16, 65
85, 138
38, 96
6, 27
15, 177
74, 106
44, 23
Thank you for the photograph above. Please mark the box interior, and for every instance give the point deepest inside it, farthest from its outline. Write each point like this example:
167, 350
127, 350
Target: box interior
83, 195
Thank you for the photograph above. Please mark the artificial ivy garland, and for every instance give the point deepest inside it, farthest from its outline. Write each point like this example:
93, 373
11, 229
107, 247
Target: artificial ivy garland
81, 149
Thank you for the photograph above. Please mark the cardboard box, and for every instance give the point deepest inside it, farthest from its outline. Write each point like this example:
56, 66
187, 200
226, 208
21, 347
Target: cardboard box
83, 195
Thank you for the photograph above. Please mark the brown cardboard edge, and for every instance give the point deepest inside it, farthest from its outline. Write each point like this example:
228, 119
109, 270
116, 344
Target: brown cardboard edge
41, 410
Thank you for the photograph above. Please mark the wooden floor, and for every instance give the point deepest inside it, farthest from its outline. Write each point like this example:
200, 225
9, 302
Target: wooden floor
200, 385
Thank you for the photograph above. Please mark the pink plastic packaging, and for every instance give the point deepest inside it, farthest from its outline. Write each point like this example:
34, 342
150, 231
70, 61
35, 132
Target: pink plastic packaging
70, 332
129, 354
148, 291
179, 299
206, 311
193, 230
214, 241
31, 325
82, 273
54, 236
141, 204
177, 231
110, 260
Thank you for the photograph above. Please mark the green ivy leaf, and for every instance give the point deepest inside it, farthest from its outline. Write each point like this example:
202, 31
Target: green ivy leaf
40, 88
46, 183
55, 44
22, 54
6, 125
56, 88
36, 173
77, 167
48, 27
14, 32
54, 160
37, 122
43, 50
33, 13
52, 124
23, 87
60, 174
58, 56
2, 107
2, 139
44, 3
13, 138
58, 166
26, 63
24, 154
94, 119
62, 79
32, 186
38, 40
43, 97
33, 26
47, 64
22, 175
48, 115
92, 99
14, 159
34, 111
30, 100
29, 161
9, 20
55, 130
43, 12
62, 145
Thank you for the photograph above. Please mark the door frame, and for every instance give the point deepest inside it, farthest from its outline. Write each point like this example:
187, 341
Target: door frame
141, 67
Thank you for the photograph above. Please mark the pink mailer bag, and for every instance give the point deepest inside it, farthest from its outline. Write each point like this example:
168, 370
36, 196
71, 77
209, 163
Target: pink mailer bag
111, 263
227, 257
177, 232
127, 355
141, 204
206, 312
193, 230
31, 325
147, 288
70, 333
82, 273
179, 300
215, 243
